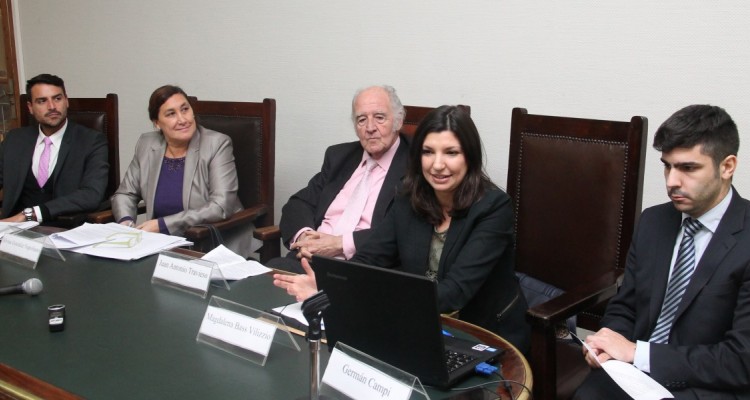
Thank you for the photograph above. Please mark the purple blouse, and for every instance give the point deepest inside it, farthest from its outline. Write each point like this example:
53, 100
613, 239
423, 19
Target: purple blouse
168, 196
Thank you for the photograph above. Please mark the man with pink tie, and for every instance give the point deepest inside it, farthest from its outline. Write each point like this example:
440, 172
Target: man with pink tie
355, 187
55, 168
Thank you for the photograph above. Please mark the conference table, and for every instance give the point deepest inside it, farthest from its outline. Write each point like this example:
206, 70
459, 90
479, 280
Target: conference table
126, 338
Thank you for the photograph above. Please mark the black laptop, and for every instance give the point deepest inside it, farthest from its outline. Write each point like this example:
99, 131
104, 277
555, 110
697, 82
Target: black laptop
393, 316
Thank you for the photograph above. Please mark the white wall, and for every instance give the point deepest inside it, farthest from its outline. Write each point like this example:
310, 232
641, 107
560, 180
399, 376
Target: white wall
584, 58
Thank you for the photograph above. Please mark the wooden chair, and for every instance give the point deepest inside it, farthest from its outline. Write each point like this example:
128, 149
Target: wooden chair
99, 114
252, 127
415, 115
577, 189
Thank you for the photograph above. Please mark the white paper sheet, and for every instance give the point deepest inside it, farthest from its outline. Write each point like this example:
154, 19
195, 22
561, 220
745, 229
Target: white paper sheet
635, 382
121, 242
232, 265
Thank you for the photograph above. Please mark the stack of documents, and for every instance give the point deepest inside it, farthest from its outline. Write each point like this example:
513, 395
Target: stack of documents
115, 241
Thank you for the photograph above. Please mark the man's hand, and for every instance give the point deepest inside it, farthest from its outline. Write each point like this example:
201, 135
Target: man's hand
300, 286
312, 242
608, 344
15, 218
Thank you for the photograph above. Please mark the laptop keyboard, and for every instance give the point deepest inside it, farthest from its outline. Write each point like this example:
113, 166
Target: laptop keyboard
455, 360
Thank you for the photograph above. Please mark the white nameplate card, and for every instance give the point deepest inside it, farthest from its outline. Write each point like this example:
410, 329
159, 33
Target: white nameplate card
183, 272
22, 247
238, 330
358, 380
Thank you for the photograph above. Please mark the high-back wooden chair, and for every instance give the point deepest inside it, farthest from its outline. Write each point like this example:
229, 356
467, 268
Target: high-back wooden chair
99, 114
577, 186
252, 127
415, 115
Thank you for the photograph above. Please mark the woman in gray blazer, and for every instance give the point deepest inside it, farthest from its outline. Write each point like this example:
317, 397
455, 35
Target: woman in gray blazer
184, 173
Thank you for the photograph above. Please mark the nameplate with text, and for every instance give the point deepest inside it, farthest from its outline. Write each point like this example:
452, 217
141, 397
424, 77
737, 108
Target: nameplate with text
238, 330
25, 248
181, 272
358, 380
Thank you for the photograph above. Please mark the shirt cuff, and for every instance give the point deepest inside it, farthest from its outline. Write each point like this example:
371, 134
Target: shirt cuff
163, 226
38, 214
642, 357
299, 233
127, 218
347, 242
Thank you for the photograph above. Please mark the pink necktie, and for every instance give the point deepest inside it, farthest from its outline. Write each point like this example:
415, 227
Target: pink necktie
44, 163
356, 205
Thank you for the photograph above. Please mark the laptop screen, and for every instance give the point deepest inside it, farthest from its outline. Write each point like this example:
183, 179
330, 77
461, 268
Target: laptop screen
390, 315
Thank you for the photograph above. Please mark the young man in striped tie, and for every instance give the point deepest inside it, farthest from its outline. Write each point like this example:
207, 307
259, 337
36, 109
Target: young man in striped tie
682, 314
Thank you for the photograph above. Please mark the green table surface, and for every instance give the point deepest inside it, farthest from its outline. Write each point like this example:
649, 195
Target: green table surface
126, 338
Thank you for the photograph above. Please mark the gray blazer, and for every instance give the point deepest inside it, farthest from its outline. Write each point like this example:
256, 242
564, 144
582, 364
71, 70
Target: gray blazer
209, 191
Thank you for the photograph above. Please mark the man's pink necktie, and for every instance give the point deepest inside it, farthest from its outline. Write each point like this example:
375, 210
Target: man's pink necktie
43, 174
353, 212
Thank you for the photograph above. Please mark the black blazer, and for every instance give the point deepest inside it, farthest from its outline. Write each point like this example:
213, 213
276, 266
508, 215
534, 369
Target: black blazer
709, 345
79, 177
308, 207
476, 269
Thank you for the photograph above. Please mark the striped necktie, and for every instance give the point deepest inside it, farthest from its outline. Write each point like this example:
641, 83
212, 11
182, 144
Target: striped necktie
683, 271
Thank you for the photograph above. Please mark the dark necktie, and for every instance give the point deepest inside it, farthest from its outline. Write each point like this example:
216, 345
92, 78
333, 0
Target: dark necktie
683, 271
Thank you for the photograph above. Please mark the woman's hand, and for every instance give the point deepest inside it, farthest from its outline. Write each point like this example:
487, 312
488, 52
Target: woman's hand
300, 286
151, 225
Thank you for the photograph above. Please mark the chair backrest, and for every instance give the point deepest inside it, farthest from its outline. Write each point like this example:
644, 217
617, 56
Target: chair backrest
99, 114
415, 115
252, 127
577, 190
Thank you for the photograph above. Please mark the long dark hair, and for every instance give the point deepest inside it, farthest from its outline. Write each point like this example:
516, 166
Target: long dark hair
471, 189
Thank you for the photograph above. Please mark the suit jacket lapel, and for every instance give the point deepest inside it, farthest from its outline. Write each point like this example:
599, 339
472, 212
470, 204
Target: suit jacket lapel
191, 165
665, 236
721, 243
153, 162
455, 231
65, 145
392, 182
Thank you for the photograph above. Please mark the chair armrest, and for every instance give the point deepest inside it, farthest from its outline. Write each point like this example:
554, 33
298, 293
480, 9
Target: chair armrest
588, 294
267, 233
106, 216
101, 217
243, 217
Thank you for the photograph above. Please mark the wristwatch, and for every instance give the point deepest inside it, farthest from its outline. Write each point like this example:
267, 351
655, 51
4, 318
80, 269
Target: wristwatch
28, 213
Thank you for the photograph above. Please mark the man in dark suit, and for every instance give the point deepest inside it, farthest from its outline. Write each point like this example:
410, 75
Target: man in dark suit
56, 168
313, 221
682, 314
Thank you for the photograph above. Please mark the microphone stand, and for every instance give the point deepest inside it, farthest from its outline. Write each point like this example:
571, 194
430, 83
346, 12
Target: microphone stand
313, 309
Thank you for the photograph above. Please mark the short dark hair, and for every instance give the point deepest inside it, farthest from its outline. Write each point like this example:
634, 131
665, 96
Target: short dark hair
474, 184
48, 79
160, 96
696, 124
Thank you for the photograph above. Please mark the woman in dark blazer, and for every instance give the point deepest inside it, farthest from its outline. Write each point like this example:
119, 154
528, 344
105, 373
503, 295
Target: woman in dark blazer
452, 224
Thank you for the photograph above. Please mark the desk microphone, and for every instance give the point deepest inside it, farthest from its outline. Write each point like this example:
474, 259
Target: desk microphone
31, 286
